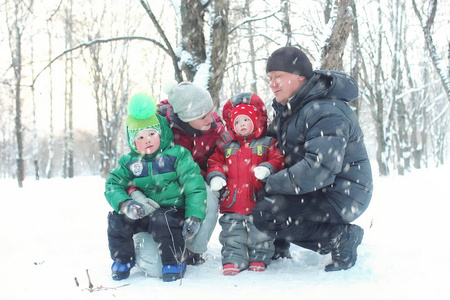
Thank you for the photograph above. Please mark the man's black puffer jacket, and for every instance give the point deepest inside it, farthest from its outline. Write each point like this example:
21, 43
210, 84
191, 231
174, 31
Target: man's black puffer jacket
323, 144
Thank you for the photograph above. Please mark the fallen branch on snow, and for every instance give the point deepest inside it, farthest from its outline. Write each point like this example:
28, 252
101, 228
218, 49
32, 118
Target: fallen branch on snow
91, 287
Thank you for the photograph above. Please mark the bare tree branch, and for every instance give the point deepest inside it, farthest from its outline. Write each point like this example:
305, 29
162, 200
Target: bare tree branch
168, 48
56, 10
426, 27
254, 19
98, 41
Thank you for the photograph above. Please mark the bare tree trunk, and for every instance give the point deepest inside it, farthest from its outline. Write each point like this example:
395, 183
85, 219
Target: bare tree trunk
252, 52
219, 47
399, 113
382, 142
355, 62
424, 134
49, 168
438, 135
334, 45
415, 121
68, 117
193, 38
417, 149
103, 114
17, 64
427, 23
35, 149
111, 86
327, 9
374, 94
111, 100
15, 38
285, 21
194, 43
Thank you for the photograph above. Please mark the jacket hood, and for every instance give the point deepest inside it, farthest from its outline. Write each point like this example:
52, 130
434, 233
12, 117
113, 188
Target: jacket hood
334, 85
166, 139
260, 127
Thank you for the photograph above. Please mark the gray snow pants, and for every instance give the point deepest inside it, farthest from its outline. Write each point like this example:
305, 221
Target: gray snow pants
242, 243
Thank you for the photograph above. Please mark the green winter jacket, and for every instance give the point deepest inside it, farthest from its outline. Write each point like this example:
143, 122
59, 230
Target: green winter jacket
169, 176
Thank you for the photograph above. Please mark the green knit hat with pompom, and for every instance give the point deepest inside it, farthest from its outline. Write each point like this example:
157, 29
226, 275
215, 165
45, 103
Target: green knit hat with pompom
141, 116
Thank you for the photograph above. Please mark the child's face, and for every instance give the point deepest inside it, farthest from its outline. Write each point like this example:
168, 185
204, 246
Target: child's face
243, 125
147, 141
203, 123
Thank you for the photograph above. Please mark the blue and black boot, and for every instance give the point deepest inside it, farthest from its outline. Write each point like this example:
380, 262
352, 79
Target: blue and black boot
173, 272
121, 271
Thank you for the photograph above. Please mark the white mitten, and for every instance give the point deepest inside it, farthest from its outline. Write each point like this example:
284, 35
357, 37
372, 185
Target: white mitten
217, 183
148, 204
261, 172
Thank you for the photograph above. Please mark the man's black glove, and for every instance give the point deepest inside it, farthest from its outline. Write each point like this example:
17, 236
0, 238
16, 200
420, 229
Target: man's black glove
261, 194
190, 227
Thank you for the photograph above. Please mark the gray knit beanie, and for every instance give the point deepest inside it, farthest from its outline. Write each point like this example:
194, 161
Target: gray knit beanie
291, 60
189, 101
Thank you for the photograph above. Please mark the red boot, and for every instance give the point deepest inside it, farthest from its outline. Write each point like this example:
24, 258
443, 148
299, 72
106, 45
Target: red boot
256, 266
230, 269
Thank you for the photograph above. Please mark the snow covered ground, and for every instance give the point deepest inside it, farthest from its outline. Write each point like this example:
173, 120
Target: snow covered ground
54, 230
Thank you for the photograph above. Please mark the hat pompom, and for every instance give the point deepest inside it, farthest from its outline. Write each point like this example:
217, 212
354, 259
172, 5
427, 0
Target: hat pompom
169, 85
141, 106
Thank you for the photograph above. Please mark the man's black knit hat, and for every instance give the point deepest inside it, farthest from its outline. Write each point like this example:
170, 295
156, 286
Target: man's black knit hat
291, 60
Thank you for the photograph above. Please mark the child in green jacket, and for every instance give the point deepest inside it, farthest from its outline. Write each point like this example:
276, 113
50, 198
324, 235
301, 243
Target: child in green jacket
172, 199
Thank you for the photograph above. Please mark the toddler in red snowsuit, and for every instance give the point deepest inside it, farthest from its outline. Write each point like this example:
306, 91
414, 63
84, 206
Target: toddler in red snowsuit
238, 167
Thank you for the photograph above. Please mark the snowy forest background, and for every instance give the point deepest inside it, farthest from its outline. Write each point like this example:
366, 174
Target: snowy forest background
69, 67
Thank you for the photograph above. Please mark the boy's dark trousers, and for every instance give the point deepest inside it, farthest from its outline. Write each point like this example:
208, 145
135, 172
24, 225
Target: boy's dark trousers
165, 225
307, 220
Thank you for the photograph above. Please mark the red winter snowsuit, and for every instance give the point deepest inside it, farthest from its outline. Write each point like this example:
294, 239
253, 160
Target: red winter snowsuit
235, 159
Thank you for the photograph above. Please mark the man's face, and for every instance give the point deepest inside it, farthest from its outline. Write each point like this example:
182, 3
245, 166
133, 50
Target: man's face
284, 85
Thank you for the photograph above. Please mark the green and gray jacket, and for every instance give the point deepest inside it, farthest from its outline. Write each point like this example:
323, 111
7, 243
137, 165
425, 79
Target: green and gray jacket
169, 176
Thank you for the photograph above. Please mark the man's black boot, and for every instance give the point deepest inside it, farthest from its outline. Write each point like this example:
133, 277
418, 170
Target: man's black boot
344, 254
281, 249
194, 259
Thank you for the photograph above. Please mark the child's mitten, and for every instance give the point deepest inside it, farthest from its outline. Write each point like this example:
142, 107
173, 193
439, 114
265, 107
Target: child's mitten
190, 227
217, 183
132, 209
261, 172
149, 204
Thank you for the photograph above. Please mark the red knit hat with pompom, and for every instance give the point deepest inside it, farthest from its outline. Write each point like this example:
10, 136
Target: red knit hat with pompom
247, 110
